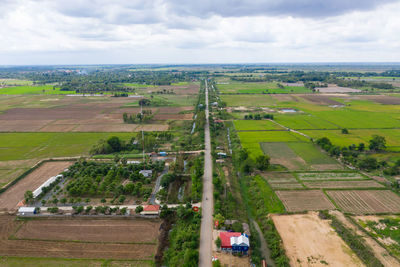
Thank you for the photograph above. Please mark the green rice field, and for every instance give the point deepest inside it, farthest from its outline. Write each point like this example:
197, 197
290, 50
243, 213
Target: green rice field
30, 89
14, 146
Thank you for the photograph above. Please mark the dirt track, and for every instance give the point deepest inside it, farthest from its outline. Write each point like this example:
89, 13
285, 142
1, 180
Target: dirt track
10, 198
310, 241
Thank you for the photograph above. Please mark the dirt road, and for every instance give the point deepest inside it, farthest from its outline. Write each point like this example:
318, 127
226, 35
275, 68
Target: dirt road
207, 201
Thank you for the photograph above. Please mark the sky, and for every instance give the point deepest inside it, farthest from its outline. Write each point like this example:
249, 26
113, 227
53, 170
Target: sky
46, 32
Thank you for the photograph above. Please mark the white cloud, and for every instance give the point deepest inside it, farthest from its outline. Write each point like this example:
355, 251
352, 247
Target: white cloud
157, 31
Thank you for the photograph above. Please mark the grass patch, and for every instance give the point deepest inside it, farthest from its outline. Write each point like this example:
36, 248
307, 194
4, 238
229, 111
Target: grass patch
249, 125
29, 89
15, 146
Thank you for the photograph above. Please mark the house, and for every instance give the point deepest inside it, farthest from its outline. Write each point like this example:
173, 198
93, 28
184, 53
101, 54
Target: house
146, 173
151, 210
26, 211
234, 242
214, 104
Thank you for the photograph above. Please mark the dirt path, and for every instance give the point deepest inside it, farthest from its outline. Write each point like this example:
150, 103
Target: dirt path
266, 253
380, 253
205, 254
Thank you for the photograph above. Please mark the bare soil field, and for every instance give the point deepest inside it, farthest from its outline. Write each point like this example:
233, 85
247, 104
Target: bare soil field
366, 201
303, 200
336, 89
64, 249
187, 116
105, 128
285, 97
93, 230
82, 115
321, 100
344, 184
383, 99
152, 127
10, 198
311, 241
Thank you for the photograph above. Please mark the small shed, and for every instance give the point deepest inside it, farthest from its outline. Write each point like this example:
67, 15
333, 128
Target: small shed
221, 155
151, 210
162, 153
26, 211
146, 173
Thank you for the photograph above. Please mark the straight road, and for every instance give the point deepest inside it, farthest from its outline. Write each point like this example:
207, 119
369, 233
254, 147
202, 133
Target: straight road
207, 203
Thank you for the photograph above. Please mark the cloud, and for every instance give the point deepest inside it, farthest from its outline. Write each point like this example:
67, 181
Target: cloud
294, 8
160, 31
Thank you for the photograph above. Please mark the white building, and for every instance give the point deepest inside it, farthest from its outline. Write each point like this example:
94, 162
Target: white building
146, 173
26, 211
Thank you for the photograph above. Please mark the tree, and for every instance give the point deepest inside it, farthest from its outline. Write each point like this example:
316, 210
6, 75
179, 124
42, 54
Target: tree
369, 163
377, 143
262, 162
218, 242
138, 209
345, 131
361, 147
115, 143
28, 196
103, 200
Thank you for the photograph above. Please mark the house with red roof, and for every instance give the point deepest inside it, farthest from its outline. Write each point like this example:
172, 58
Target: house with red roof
234, 242
151, 210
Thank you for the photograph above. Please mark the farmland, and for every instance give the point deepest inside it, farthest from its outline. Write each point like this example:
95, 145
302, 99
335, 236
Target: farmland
11, 197
260, 88
366, 201
303, 200
135, 249
310, 241
29, 89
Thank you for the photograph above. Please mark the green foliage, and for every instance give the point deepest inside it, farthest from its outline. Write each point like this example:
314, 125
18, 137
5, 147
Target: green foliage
356, 243
184, 239
262, 162
197, 175
377, 143
218, 242
138, 209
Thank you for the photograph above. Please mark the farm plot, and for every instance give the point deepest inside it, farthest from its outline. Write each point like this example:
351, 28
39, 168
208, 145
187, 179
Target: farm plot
311, 241
100, 230
304, 121
282, 154
15, 146
252, 140
366, 201
321, 99
303, 200
80, 248
250, 125
343, 184
249, 100
318, 176
299, 155
10, 198
282, 180
260, 88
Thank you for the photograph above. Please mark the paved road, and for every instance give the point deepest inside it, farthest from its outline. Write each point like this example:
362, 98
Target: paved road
207, 201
